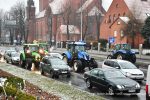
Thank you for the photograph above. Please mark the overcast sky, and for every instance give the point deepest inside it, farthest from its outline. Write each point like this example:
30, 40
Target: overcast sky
7, 4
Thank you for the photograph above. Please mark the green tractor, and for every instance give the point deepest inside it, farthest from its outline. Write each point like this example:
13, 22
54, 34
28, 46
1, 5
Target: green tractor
29, 55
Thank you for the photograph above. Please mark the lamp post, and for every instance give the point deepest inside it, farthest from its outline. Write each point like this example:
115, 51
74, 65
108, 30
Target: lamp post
81, 21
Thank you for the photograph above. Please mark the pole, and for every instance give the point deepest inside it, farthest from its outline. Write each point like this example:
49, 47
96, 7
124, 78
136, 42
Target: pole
81, 21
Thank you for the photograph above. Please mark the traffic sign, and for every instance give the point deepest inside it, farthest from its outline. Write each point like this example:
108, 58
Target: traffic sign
111, 39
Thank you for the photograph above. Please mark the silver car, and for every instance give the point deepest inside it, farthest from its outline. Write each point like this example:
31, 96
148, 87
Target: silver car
13, 57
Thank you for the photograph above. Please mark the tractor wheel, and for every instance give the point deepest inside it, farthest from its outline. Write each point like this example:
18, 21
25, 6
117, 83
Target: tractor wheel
94, 64
133, 59
109, 57
28, 64
65, 59
77, 66
120, 56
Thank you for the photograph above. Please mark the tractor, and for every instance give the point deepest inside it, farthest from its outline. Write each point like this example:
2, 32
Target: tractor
29, 55
124, 52
33, 53
77, 56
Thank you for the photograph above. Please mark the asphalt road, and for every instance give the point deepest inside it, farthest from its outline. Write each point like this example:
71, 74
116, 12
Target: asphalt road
77, 81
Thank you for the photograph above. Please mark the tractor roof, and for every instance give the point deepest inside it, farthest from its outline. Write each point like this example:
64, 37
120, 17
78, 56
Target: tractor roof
77, 43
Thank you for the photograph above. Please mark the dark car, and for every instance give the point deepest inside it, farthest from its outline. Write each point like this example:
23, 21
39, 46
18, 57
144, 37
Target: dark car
55, 67
111, 80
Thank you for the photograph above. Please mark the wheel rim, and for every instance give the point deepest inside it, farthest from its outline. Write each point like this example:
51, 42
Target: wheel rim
88, 84
110, 91
75, 66
119, 57
109, 57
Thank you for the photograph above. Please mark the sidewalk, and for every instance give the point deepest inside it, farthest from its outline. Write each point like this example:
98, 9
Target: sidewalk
62, 90
105, 54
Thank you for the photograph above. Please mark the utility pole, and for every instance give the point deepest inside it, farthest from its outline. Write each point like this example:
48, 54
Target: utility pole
81, 21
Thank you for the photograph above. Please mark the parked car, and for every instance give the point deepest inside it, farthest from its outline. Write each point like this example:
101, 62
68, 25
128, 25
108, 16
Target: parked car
148, 84
126, 67
58, 55
54, 66
8, 52
13, 57
111, 81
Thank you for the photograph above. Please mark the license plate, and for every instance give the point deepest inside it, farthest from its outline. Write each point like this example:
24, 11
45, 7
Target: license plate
131, 90
64, 72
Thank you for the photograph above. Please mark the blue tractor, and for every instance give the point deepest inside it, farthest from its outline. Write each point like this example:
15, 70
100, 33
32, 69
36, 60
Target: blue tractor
77, 57
124, 52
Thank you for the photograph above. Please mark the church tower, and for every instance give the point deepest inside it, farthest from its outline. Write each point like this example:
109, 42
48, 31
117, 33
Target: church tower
30, 10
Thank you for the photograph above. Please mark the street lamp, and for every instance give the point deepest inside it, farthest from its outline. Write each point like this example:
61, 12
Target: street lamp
81, 21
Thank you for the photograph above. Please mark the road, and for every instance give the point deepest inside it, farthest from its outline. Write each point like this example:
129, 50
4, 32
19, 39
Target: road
77, 81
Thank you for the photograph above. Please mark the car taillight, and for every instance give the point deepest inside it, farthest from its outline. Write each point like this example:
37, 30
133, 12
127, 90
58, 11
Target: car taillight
146, 88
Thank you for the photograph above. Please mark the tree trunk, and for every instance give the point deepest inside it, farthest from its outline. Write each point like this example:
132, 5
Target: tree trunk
68, 37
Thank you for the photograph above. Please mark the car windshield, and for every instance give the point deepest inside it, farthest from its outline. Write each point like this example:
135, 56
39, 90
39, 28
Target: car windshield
123, 46
44, 46
127, 65
80, 48
33, 48
15, 54
113, 74
56, 61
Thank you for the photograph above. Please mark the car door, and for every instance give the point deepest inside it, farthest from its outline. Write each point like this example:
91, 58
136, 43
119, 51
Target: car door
94, 76
47, 65
102, 82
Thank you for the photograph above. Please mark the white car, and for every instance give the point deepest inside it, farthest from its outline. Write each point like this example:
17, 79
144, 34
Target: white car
58, 55
148, 84
126, 67
13, 57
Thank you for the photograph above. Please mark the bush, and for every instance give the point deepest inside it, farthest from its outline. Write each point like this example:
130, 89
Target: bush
12, 88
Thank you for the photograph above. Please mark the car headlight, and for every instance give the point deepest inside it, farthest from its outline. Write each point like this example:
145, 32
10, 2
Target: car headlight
128, 74
120, 87
137, 85
56, 69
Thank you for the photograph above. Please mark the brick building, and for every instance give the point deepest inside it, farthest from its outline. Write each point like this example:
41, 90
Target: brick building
118, 16
48, 23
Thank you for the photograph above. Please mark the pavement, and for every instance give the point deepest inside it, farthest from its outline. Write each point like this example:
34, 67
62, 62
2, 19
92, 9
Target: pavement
105, 54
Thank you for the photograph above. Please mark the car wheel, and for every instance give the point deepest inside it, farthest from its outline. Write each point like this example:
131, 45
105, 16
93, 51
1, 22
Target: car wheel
65, 59
88, 84
51, 74
110, 91
68, 76
41, 71
133, 59
7, 61
77, 66
120, 56
12, 62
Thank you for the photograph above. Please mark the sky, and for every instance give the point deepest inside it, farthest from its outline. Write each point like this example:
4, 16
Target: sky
7, 4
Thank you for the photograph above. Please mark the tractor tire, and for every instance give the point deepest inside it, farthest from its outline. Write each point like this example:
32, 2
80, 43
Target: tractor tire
28, 64
109, 57
77, 66
133, 59
120, 56
94, 64
22, 63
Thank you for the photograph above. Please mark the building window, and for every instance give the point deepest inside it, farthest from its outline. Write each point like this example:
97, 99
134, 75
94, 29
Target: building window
115, 33
109, 21
114, 17
124, 14
118, 23
119, 15
122, 33
116, 5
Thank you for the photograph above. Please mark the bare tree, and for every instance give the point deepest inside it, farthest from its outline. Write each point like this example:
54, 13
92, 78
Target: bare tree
134, 24
17, 13
68, 15
1, 20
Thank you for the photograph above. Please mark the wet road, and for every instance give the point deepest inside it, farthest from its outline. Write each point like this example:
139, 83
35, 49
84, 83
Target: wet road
78, 81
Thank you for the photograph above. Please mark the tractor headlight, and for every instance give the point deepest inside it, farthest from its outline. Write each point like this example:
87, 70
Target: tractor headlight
28, 51
55, 69
41, 51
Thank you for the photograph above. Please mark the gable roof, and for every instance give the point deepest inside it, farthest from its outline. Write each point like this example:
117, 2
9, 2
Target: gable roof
125, 19
95, 11
84, 6
72, 29
139, 8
